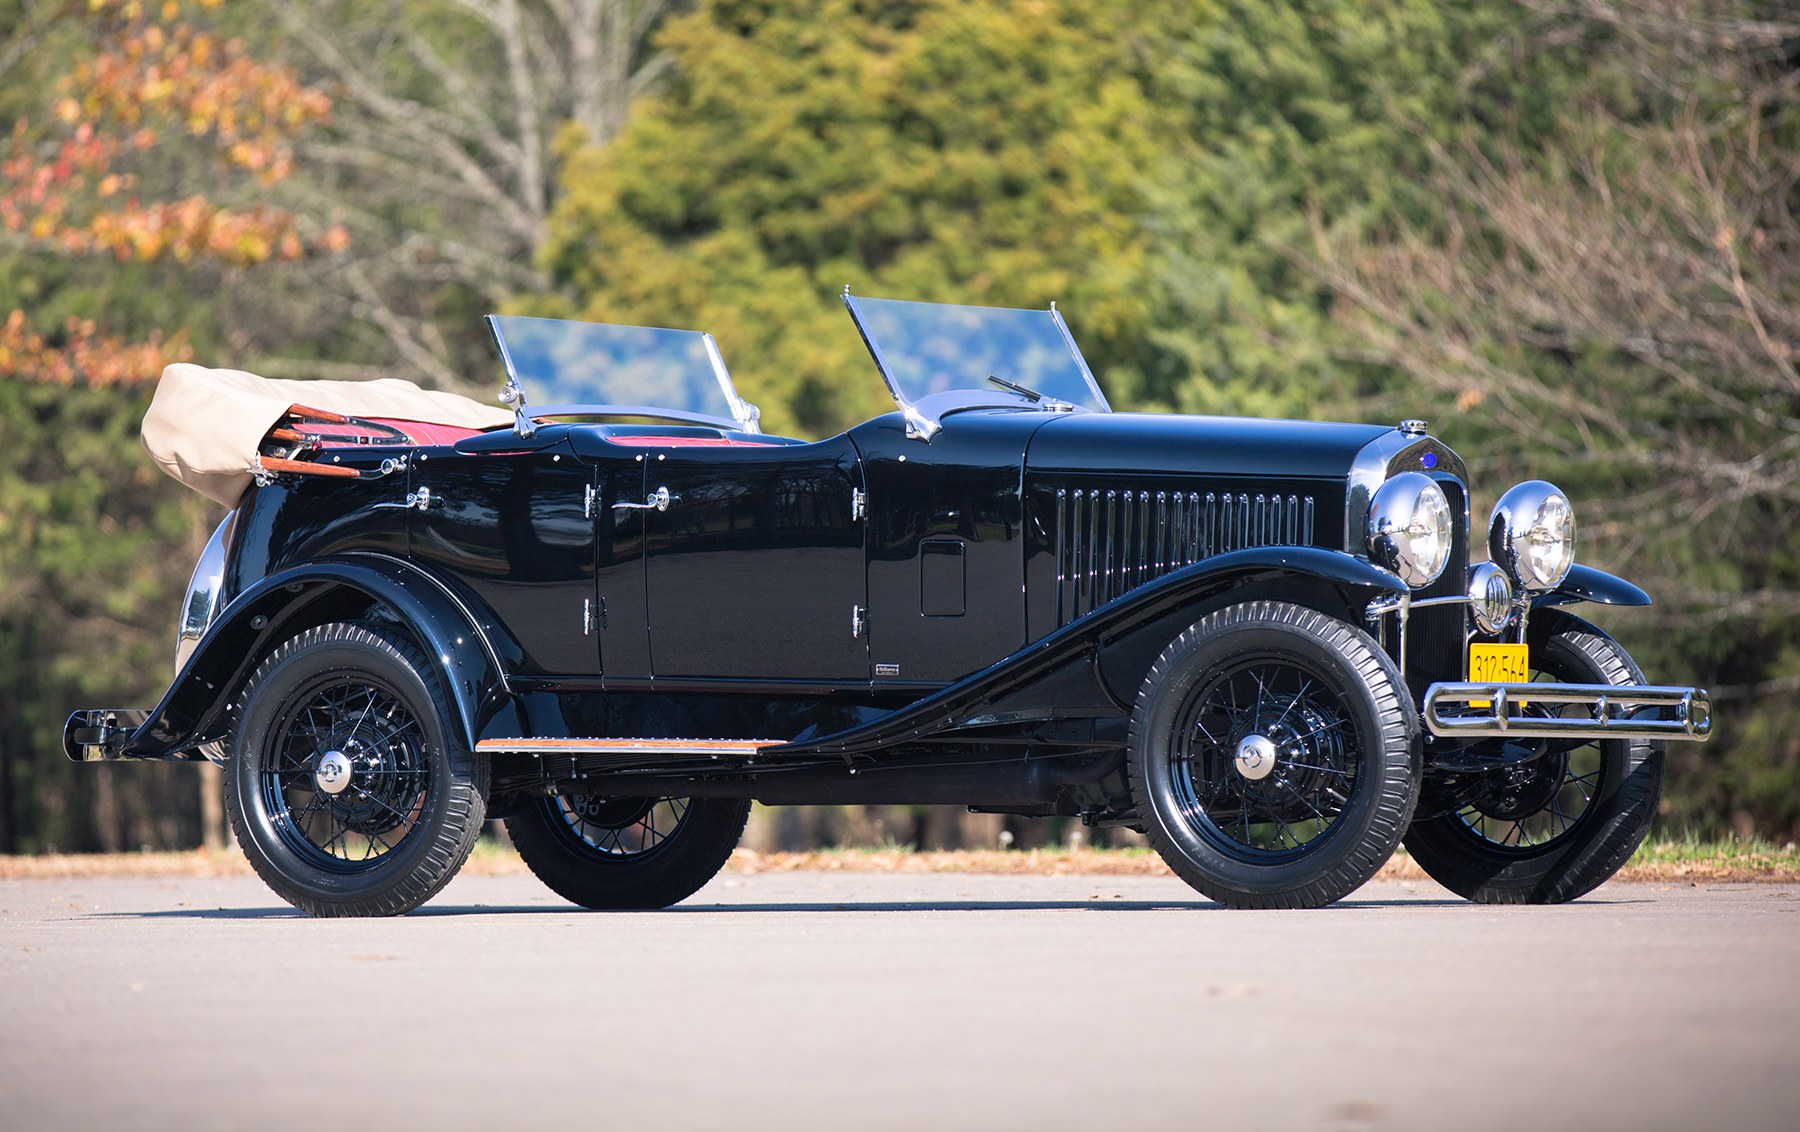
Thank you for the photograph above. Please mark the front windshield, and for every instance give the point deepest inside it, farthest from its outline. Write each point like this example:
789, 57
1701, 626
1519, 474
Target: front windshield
925, 349
561, 365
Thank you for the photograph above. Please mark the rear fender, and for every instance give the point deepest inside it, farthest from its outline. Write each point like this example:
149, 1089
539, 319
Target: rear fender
465, 644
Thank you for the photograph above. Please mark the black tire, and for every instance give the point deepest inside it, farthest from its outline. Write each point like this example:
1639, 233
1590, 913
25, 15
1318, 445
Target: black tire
351, 704
1305, 819
604, 852
1561, 826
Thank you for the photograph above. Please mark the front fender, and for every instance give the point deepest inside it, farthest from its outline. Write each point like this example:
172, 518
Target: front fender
1584, 583
464, 647
1101, 652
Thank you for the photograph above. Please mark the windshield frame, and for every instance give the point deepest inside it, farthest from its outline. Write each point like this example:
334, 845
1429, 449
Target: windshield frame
745, 417
924, 414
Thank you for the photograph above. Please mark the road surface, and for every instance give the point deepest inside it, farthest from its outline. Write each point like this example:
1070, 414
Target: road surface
799, 1001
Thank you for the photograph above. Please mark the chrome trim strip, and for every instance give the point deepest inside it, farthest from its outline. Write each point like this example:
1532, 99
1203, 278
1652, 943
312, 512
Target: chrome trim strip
630, 746
1614, 711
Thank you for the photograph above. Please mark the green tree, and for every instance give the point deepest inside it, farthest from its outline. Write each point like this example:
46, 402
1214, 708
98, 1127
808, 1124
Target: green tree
441, 161
1303, 121
131, 208
1612, 300
985, 153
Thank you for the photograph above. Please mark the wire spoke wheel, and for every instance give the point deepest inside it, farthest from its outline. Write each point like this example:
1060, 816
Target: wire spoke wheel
1555, 827
344, 787
602, 851
1265, 759
1530, 807
348, 780
1272, 756
622, 827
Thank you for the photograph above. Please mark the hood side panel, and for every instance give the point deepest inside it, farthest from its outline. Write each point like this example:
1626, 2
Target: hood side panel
1093, 537
1228, 447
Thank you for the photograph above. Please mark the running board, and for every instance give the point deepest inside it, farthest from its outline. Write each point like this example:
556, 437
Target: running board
629, 746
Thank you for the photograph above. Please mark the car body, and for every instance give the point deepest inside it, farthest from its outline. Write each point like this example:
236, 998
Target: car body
620, 620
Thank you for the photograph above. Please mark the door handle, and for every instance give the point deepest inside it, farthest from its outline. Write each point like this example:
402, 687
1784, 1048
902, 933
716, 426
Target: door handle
420, 499
657, 500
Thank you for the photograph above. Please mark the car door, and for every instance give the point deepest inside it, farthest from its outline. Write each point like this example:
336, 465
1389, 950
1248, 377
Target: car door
753, 562
945, 576
514, 528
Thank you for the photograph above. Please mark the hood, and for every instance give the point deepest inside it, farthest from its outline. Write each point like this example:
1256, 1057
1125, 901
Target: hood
1228, 446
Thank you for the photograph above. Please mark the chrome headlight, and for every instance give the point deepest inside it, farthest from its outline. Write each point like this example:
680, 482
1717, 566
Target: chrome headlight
1532, 535
1490, 597
1409, 528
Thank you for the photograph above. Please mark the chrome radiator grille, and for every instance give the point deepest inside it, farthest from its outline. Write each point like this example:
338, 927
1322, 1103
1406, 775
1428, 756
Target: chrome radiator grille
1111, 541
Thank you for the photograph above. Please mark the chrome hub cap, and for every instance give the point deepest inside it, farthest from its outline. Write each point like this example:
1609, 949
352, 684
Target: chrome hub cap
1255, 758
333, 772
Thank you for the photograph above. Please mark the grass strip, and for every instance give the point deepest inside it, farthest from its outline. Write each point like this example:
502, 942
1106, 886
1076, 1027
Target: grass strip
1680, 859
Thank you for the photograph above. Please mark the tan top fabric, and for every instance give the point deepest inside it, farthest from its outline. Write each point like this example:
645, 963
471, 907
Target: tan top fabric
204, 425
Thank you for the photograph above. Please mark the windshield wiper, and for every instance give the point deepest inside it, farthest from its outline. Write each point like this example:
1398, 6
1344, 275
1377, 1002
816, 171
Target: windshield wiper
1031, 395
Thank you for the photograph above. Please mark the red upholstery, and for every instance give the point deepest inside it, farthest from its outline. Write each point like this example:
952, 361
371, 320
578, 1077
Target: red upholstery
687, 442
420, 432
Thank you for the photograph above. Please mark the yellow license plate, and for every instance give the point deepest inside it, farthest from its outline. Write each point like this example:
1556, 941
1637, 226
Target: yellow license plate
1499, 664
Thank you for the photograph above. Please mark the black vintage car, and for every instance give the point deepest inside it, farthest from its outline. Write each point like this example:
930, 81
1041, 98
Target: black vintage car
1264, 644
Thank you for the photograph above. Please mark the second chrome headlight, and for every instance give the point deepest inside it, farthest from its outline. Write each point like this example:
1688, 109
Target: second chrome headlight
1532, 535
1409, 528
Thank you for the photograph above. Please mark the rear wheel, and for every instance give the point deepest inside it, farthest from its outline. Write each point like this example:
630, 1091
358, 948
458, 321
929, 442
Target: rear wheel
344, 787
1272, 756
1559, 826
605, 852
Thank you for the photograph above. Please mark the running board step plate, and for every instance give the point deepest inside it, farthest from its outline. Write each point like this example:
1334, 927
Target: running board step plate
630, 746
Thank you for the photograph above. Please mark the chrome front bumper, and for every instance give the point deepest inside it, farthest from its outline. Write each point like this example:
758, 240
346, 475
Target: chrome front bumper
1610, 711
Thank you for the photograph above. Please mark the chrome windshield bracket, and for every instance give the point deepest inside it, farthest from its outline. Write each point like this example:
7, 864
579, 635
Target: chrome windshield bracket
513, 397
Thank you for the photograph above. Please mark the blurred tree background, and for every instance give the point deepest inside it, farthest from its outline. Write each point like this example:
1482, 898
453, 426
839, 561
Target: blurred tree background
1563, 232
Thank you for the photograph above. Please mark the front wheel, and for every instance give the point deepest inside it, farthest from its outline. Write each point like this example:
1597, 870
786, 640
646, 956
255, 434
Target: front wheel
1557, 827
606, 852
345, 788
1273, 757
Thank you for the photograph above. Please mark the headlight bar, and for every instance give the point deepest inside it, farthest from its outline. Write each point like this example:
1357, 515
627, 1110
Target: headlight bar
1614, 711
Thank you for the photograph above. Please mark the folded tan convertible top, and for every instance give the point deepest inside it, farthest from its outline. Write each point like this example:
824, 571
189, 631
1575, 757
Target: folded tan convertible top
204, 425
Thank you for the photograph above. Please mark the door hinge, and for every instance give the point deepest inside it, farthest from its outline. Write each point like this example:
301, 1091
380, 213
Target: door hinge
859, 620
587, 501
593, 615
859, 503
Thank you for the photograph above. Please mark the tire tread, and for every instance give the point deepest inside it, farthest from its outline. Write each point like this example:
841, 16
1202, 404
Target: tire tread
465, 800
1397, 724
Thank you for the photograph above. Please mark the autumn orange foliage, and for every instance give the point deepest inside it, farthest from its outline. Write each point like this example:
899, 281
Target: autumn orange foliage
84, 355
74, 185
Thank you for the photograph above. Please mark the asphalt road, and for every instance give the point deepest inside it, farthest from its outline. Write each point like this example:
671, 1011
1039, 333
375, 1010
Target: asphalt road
844, 1001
